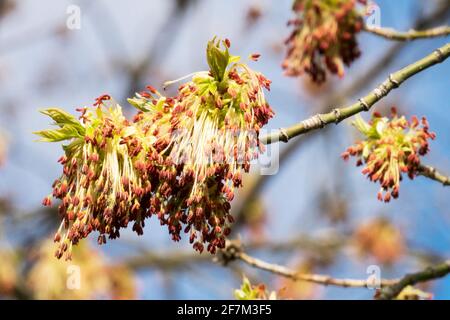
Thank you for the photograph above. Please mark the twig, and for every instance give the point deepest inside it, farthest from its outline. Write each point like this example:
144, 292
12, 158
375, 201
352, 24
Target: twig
431, 273
432, 173
412, 34
234, 252
390, 288
394, 80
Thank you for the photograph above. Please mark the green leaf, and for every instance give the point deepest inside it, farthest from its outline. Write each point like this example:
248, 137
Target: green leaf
246, 291
218, 59
62, 118
65, 133
70, 127
138, 104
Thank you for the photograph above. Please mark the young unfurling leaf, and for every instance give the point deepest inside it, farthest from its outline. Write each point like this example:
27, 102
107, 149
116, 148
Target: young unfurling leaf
70, 127
63, 118
66, 132
251, 292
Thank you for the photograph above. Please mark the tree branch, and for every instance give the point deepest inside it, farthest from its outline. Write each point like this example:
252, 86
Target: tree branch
394, 80
432, 173
412, 34
390, 288
234, 252
431, 273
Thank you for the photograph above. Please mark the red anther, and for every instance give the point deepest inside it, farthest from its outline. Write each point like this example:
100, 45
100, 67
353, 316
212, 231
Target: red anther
94, 157
75, 201
255, 56
151, 89
57, 237
145, 94
47, 201
62, 160
376, 114
99, 101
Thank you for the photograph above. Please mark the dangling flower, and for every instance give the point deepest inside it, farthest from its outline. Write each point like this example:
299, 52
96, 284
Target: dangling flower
100, 187
392, 147
324, 37
212, 136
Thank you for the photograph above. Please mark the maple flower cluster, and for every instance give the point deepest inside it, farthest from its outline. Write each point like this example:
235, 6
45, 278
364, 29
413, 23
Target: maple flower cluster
179, 159
392, 147
324, 38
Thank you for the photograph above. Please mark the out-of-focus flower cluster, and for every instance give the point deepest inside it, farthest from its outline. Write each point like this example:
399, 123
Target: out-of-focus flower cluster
253, 292
179, 159
324, 37
48, 278
8, 271
300, 290
41, 276
391, 147
380, 239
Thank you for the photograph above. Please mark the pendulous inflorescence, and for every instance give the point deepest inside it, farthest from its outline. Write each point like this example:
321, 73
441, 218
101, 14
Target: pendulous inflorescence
101, 187
179, 159
391, 147
324, 38
212, 131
